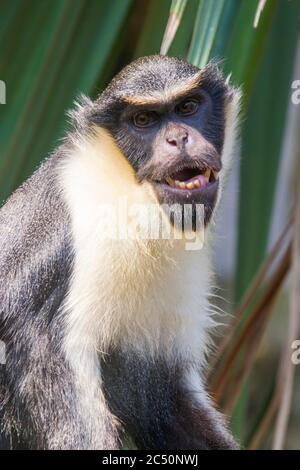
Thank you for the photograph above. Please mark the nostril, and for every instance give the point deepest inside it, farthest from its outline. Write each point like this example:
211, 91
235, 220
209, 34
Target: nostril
172, 142
181, 140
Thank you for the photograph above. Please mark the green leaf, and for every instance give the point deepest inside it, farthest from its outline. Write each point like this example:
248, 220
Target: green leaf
151, 37
69, 51
176, 13
206, 25
262, 139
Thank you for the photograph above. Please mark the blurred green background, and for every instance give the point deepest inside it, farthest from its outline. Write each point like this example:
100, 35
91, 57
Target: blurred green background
52, 50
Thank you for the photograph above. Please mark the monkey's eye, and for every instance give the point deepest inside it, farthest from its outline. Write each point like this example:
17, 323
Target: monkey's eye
145, 118
187, 107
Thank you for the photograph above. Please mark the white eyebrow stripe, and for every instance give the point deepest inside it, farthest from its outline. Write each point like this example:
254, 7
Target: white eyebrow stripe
166, 95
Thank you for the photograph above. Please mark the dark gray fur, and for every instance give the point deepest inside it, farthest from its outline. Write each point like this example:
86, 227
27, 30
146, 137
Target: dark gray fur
157, 409
35, 265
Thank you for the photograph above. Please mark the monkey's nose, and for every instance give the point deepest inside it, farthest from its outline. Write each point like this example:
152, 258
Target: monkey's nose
178, 139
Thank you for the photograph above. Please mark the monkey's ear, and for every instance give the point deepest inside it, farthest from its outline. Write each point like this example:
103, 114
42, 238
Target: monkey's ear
78, 116
234, 96
213, 71
233, 93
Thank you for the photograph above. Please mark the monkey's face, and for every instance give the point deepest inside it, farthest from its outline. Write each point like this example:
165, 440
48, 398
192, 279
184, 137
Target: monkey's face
182, 150
169, 122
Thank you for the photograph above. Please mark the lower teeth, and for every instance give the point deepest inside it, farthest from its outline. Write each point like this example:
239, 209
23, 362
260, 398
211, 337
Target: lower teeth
192, 184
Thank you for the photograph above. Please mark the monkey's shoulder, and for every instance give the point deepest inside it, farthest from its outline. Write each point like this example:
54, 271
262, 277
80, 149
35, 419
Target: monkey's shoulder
35, 243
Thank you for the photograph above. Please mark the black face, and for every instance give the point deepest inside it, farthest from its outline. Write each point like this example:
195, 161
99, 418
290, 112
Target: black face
175, 143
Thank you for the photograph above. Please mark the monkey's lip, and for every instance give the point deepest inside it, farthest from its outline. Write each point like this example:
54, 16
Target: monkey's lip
189, 193
189, 181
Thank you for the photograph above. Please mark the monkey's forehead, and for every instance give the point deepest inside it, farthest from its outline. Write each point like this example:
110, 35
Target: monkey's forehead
156, 73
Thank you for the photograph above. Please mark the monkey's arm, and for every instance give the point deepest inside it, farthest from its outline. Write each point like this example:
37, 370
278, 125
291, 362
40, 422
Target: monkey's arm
162, 409
39, 406
204, 425
196, 425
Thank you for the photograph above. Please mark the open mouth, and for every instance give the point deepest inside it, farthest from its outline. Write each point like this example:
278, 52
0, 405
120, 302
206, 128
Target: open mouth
191, 178
192, 186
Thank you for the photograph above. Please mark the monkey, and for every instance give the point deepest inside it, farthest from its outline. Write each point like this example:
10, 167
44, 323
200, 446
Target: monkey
107, 338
